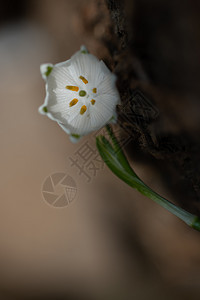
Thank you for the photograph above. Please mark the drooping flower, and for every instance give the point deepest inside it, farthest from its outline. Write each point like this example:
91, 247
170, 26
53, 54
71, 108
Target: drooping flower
81, 95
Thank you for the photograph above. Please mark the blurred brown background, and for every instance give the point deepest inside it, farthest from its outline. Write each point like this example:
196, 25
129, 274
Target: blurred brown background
110, 242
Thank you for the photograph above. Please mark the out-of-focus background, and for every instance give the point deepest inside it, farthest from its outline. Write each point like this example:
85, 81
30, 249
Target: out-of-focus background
108, 242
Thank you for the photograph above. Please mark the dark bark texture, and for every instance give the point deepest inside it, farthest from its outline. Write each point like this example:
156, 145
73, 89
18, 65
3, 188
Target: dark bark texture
154, 49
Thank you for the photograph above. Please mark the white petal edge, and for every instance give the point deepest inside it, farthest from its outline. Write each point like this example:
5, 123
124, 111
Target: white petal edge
72, 136
44, 69
74, 139
83, 49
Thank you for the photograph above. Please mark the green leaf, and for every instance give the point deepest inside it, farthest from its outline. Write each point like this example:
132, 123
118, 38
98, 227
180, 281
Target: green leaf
119, 152
114, 157
110, 157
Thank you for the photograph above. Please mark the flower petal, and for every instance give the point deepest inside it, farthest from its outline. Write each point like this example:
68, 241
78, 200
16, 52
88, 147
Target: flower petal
45, 70
81, 95
88, 66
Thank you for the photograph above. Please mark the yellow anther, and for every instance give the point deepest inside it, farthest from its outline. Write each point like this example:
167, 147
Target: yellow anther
72, 88
93, 101
83, 109
73, 102
94, 90
83, 79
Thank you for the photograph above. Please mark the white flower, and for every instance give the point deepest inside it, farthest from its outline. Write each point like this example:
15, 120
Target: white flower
81, 95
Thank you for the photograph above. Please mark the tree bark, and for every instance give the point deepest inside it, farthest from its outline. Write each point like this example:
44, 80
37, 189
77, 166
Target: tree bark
154, 49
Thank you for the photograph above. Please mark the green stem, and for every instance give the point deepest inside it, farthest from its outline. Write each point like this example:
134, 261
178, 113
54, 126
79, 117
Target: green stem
116, 160
182, 214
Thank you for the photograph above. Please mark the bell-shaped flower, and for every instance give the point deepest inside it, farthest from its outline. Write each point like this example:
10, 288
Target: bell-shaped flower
81, 95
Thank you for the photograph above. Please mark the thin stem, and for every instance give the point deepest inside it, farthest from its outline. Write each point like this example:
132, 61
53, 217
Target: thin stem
185, 216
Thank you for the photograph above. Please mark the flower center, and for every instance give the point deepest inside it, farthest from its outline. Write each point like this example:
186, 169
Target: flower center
82, 93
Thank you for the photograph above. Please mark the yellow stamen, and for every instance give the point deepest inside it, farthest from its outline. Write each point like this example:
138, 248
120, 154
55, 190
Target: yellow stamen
83, 109
73, 102
83, 79
93, 101
72, 88
94, 90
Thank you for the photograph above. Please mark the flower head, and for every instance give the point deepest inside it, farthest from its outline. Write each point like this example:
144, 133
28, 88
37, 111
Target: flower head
81, 95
